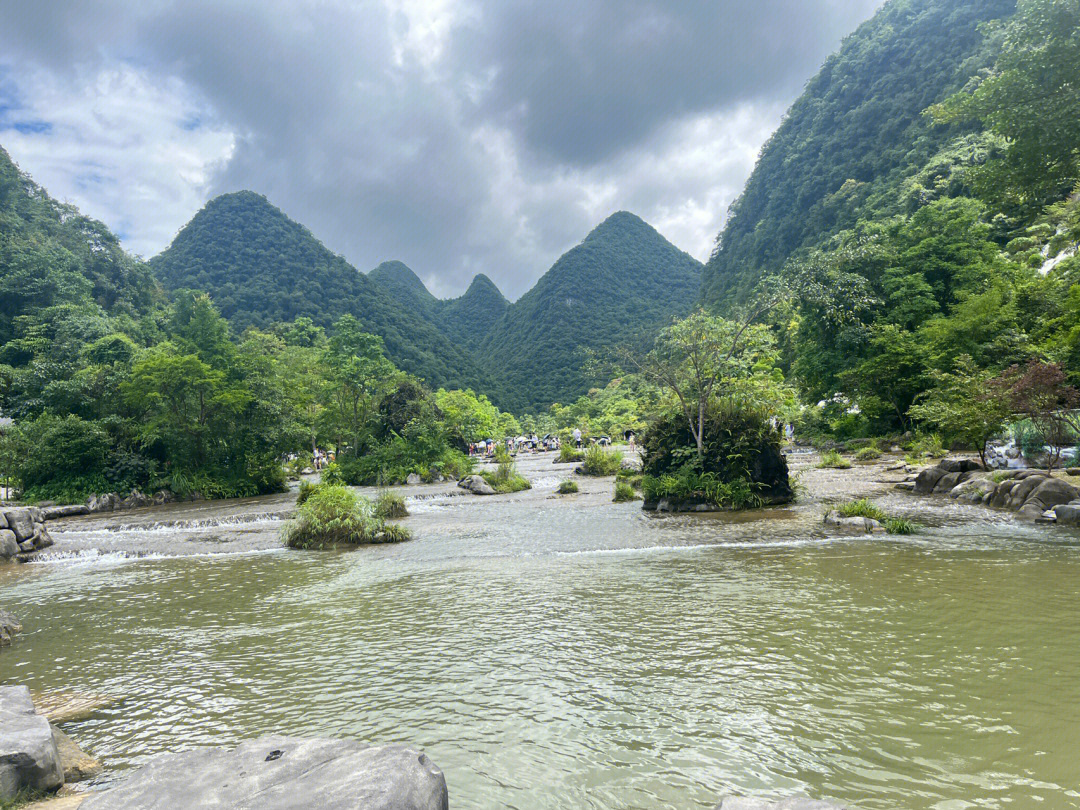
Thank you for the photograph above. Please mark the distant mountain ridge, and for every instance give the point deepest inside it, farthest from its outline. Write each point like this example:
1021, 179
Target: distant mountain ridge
259, 266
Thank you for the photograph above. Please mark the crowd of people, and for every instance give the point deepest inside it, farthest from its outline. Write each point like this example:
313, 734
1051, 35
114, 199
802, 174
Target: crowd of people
533, 444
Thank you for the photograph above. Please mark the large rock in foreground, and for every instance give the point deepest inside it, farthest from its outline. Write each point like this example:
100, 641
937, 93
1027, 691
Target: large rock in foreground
28, 755
282, 773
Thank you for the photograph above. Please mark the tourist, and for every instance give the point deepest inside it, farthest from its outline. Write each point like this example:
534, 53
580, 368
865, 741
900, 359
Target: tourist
631, 440
577, 438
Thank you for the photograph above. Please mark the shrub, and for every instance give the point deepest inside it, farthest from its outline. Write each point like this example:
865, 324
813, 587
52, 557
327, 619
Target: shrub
624, 492
930, 446
332, 474
868, 454
600, 463
832, 460
900, 526
306, 488
333, 515
568, 454
505, 479
568, 488
390, 506
689, 485
862, 508
295, 467
502, 455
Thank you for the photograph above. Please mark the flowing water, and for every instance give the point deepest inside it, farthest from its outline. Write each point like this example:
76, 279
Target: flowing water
567, 652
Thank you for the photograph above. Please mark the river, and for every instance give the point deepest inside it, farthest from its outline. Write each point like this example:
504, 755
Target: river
557, 652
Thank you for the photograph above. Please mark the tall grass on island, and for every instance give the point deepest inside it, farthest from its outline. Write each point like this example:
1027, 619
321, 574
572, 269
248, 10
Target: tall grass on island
506, 479
599, 462
333, 516
865, 508
832, 460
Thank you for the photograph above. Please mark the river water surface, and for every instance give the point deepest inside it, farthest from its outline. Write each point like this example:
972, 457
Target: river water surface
552, 653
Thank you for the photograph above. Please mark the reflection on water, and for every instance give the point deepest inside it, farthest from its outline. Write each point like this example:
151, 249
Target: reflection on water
573, 653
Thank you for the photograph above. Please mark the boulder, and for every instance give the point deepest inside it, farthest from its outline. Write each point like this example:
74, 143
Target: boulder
631, 464
926, 480
9, 546
853, 525
1068, 514
162, 496
414, 478
134, 500
476, 485
960, 465
54, 512
3, 521
21, 522
28, 756
794, 803
948, 481
973, 489
77, 764
1018, 495
9, 626
282, 773
1049, 493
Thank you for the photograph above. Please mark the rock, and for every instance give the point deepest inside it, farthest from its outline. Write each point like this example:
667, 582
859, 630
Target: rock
631, 464
77, 764
853, 525
1067, 514
3, 521
21, 522
27, 547
42, 539
1018, 495
9, 546
54, 512
162, 496
28, 756
1048, 493
71, 801
960, 465
414, 478
9, 626
134, 500
973, 489
282, 773
907, 486
948, 481
70, 707
476, 485
794, 803
926, 480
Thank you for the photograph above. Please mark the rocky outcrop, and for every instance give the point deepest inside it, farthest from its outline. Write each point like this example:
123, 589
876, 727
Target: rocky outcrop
630, 464
281, 773
794, 803
113, 501
22, 530
9, 626
29, 759
1032, 494
54, 512
476, 485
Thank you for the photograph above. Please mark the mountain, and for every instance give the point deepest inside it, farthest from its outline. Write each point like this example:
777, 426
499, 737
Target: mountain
260, 267
467, 320
857, 138
620, 285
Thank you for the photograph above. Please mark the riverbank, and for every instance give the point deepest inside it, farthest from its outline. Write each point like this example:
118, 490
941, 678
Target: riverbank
563, 651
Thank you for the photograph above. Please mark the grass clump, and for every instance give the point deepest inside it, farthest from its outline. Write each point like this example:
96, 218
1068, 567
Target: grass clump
568, 488
689, 485
868, 454
600, 463
506, 479
569, 454
624, 492
333, 515
1000, 475
502, 455
862, 508
390, 506
899, 526
930, 446
832, 460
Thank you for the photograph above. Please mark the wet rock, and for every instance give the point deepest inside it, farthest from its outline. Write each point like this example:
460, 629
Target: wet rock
78, 766
794, 803
1048, 493
973, 489
54, 512
960, 465
853, 525
907, 486
1068, 514
28, 756
9, 546
950, 480
476, 485
926, 480
414, 478
21, 522
631, 464
281, 773
1018, 494
134, 500
9, 626
162, 496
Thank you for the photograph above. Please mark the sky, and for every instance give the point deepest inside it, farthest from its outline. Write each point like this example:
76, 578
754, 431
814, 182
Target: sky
457, 136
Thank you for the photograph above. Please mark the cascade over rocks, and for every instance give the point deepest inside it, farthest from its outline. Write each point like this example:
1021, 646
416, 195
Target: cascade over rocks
282, 773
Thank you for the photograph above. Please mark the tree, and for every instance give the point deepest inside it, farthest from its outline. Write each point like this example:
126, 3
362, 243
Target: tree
1032, 97
964, 405
1039, 392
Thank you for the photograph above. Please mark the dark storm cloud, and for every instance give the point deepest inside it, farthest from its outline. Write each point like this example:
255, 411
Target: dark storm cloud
460, 138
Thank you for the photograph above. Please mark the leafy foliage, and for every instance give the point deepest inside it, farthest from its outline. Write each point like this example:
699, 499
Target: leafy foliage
832, 460
599, 462
390, 506
624, 492
506, 479
567, 487
334, 515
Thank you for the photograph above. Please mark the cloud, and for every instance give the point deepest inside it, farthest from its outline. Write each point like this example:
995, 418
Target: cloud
459, 136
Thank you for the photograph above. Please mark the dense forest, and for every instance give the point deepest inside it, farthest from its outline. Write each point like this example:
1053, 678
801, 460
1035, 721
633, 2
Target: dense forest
619, 286
260, 267
929, 172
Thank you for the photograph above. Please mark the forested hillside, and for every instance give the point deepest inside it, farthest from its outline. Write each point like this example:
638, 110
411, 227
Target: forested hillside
619, 286
856, 144
260, 267
466, 319
927, 179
